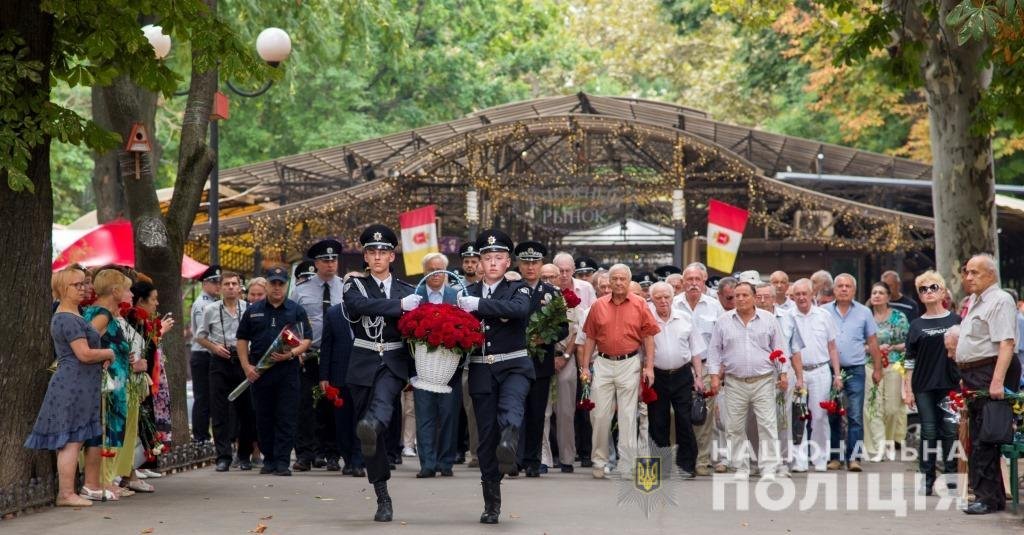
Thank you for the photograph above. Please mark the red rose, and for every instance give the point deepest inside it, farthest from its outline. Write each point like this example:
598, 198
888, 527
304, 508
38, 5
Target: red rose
338, 403
571, 299
647, 393
123, 308
842, 412
141, 314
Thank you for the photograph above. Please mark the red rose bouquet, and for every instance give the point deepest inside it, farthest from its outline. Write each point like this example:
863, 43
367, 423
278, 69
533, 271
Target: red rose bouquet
647, 393
331, 393
442, 325
778, 361
546, 324
585, 404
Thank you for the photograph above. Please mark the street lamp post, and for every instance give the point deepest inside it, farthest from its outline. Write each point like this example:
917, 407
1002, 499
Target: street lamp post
274, 46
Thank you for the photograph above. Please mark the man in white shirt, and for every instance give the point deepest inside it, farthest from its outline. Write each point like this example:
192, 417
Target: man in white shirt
780, 283
793, 344
678, 349
564, 407
820, 362
702, 310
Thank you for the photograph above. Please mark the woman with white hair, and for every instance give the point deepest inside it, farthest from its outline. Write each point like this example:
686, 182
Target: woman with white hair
931, 374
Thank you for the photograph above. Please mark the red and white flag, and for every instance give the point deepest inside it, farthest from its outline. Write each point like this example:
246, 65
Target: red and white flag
725, 230
419, 237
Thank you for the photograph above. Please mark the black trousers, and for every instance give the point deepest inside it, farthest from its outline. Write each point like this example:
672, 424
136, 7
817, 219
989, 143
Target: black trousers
536, 404
462, 442
378, 402
584, 431
675, 391
502, 407
393, 436
276, 396
983, 466
315, 434
225, 375
199, 365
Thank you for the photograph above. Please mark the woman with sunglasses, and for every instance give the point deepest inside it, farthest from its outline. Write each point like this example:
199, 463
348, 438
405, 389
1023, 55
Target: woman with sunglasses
884, 421
931, 374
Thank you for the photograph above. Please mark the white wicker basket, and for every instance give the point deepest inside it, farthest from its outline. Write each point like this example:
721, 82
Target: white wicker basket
434, 368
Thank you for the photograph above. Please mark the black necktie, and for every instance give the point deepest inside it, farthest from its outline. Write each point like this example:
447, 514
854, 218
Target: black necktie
382, 290
327, 298
490, 291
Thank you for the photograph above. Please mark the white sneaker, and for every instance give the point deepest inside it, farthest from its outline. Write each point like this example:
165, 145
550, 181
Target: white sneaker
150, 473
408, 452
141, 475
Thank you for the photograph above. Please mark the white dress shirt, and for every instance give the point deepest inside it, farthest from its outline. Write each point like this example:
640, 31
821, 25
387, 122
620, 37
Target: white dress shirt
703, 315
585, 291
816, 329
677, 342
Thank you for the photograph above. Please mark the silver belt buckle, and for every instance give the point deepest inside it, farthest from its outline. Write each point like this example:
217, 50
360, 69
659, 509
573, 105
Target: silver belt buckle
380, 348
490, 359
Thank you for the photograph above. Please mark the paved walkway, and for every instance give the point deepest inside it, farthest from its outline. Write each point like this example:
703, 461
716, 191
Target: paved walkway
318, 502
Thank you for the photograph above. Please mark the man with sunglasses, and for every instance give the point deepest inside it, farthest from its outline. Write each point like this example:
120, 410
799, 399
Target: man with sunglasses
315, 444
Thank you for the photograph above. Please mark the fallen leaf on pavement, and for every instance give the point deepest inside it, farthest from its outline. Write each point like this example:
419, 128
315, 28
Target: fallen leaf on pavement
147, 530
268, 517
260, 528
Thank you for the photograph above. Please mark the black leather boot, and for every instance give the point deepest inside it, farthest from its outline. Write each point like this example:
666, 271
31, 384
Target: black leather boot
506, 451
492, 502
367, 430
384, 511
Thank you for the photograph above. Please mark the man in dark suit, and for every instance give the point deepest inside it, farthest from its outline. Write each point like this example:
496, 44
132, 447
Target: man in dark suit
379, 366
530, 255
500, 373
335, 351
437, 413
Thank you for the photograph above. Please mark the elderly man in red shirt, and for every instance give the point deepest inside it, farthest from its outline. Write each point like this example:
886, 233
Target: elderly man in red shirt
621, 327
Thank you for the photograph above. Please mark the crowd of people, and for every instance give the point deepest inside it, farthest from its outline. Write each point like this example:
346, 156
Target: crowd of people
782, 377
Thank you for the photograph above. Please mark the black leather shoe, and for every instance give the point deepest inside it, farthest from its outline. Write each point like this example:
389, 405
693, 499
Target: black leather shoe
283, 472
506, 451
332, 465
492, 502
385, 511
300, 466
266, 470
532, 471
347, 471
586, 463
447, 472
392, 467
358, 472
245, 466
460, 459
425, 473
319, 462
223, 465
367, 430
567, 468
978, 508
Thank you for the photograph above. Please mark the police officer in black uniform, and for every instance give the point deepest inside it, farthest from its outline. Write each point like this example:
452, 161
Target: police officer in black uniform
530, 255
500, 373
305, 270
378, 368
275, 391
315, 444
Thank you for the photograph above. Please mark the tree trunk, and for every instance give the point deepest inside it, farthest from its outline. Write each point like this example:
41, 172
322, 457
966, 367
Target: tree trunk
963, 178
27, 350
106, 178
160, 241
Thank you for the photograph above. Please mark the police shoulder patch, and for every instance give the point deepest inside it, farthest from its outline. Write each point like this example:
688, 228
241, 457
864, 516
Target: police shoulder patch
525, 290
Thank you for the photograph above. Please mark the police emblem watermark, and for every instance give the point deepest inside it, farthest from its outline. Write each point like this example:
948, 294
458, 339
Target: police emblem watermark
652, 485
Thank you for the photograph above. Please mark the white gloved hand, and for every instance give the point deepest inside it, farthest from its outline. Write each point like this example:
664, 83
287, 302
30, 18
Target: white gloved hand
410, 302
469, 303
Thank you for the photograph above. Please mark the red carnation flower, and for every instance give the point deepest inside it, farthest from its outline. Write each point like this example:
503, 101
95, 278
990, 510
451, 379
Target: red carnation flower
775, 355
647, 393
338, 403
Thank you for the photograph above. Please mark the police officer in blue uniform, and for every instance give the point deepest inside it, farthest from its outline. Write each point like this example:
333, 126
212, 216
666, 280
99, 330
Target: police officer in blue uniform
379, 365
500, 373
275, 391
530, 255
315, 444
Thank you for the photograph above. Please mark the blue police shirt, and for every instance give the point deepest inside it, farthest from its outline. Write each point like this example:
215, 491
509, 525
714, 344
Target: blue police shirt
262, 323
854, 330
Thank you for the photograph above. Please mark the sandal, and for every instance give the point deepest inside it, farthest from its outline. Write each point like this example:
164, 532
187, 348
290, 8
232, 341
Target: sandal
139, 485
97, 495
73, 501
125, 492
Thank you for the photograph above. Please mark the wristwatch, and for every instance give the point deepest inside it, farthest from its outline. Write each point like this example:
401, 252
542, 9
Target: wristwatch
566, 356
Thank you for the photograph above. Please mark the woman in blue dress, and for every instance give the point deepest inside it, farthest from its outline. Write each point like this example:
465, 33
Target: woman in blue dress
70, 414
